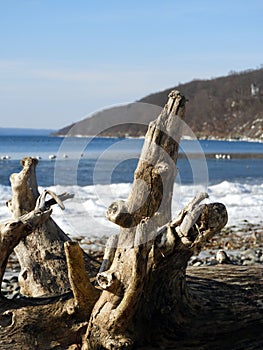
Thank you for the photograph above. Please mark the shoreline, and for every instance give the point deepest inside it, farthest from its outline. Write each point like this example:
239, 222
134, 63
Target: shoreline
181, 155
184, 137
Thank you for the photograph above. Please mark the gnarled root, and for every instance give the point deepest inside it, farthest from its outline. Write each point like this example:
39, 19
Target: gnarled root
147, 282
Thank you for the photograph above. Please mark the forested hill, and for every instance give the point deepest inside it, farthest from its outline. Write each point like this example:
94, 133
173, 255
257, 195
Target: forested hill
224, 107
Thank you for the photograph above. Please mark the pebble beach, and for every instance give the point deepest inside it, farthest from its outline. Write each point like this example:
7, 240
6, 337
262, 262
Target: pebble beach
241, 245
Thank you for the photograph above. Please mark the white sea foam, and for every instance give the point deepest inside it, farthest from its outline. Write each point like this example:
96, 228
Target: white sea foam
85, 213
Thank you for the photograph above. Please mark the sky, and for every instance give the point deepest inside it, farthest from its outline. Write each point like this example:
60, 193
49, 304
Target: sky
63, 60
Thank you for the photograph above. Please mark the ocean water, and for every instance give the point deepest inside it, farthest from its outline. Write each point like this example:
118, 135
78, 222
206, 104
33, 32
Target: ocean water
100, 170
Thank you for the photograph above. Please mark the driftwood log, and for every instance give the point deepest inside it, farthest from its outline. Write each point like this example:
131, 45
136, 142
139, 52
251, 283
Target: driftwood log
144, 296
41, 255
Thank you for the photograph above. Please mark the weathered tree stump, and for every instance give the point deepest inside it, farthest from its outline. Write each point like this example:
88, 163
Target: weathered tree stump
41, 254
142, 298
147, 274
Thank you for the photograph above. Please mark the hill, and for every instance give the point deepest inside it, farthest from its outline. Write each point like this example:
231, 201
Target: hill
224, 107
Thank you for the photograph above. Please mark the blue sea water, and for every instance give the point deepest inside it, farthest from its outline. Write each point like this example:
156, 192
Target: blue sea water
89, 161
100, 170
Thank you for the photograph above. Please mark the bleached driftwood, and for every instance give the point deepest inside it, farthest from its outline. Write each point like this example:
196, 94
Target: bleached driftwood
148, 268
41, 255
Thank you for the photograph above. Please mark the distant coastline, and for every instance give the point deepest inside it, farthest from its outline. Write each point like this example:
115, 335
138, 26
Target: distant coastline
25, 132
184, 137
52, 133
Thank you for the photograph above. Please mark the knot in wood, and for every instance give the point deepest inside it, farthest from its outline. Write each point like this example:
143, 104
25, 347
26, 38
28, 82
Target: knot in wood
118, 213
27, 162
214, 216
161, 168
105, 279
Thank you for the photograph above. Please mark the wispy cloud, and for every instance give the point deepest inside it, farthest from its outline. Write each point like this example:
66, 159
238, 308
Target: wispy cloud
11, 66
67, 75
110, 82
115, 79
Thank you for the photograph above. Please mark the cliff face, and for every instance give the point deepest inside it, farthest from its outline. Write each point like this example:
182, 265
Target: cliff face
225, 107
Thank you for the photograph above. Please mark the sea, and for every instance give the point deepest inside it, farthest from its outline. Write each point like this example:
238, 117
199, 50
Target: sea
100, 170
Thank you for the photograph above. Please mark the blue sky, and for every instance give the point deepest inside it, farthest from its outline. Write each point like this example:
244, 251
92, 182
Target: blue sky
61, 60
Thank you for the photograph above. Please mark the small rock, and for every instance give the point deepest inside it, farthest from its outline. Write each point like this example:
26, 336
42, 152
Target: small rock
222, 257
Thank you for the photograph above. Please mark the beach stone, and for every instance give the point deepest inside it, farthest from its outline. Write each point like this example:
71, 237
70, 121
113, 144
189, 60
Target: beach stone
4, 285
248, 262
212, 261
15, 295
13, 279
10, 287
249, 257
198, 263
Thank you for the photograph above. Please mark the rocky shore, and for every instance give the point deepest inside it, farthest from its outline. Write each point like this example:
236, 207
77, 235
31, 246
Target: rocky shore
241, 245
